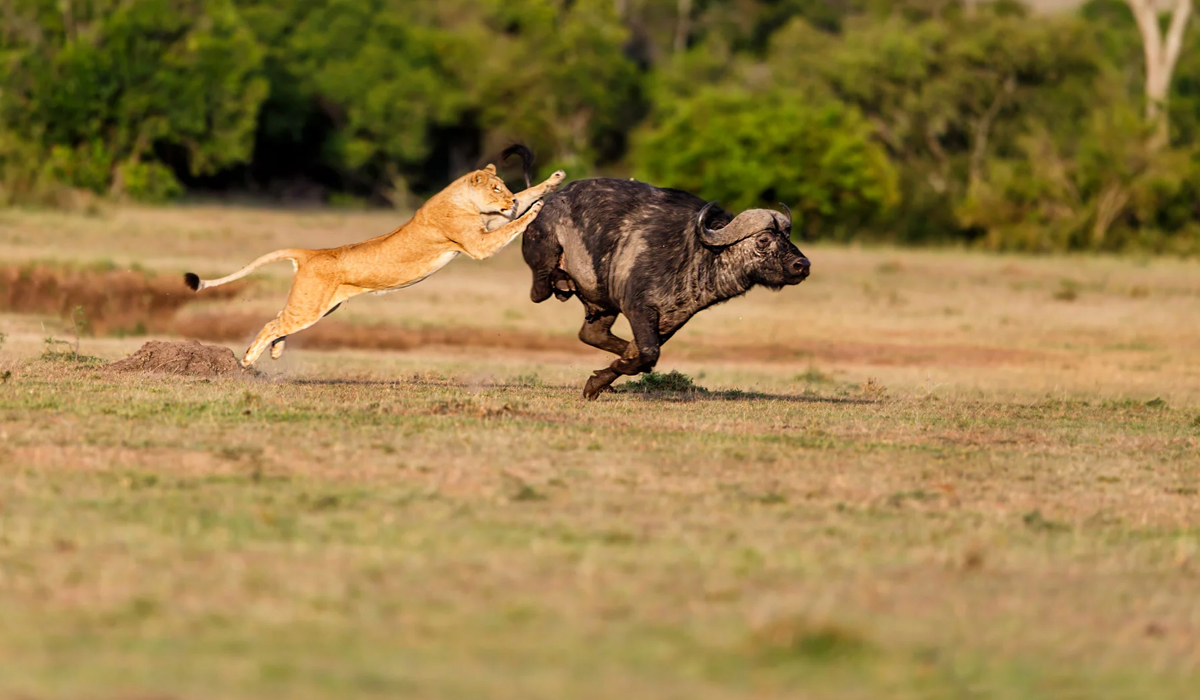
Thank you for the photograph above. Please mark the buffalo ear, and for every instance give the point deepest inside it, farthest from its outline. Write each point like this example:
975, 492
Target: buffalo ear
491, 168
478, 178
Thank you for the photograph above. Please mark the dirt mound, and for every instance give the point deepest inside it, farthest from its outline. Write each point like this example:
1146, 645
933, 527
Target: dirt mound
188, 358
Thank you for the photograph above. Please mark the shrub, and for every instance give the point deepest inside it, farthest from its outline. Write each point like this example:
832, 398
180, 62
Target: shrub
136, 82
751, 150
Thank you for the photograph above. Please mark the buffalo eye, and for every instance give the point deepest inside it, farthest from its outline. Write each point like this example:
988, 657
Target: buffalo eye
764, 240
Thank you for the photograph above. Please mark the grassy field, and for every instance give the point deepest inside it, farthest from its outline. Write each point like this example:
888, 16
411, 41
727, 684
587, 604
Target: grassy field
916, 475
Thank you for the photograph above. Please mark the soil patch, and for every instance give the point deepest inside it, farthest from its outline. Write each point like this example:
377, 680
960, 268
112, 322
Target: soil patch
188, 358
332, 335
876, 354
132, 302
110, 301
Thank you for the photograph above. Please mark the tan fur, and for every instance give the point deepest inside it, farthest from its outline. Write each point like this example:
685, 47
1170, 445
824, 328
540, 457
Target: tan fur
474, 215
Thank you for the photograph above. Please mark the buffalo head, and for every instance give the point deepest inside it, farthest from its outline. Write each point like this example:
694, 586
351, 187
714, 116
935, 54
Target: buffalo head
761, 239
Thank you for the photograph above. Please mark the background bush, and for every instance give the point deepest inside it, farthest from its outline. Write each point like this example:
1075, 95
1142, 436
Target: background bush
906, 120
96, 88
746, 149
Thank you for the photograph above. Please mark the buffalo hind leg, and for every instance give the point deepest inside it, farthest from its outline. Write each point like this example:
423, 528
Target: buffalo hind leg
597, 332
639, 356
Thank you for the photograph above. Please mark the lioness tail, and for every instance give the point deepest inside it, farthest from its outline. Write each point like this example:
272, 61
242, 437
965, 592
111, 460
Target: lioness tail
296, 255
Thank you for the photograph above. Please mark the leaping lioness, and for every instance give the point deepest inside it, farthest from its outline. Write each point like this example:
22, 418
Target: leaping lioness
476, 215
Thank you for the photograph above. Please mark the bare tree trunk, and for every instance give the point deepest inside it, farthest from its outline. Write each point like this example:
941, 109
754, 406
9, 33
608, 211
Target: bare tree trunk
939, 179
1161, 57
683, 26
983, 129
68, 19
1109, 206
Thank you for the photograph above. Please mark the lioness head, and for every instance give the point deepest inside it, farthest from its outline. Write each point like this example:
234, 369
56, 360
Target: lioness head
490, 194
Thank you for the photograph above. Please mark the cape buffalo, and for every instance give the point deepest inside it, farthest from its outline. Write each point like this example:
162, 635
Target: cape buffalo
657, 255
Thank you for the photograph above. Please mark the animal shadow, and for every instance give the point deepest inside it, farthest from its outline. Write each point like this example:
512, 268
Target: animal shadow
650, 396
739, 395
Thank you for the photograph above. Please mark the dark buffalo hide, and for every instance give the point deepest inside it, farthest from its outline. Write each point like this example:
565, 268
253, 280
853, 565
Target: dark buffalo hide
657, 255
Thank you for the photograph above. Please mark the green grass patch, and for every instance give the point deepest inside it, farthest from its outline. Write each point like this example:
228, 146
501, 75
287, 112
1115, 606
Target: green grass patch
673, 382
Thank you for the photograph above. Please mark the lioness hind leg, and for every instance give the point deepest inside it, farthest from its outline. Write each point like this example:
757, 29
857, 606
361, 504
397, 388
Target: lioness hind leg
277, 343
265, 337
309, 300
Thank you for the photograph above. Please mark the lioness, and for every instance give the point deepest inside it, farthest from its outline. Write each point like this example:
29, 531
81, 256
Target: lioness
476, 215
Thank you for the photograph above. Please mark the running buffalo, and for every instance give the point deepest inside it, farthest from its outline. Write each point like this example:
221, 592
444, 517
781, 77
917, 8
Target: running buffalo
657, 255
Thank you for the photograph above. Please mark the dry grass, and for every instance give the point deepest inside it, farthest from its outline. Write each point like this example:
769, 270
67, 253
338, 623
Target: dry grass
918, 475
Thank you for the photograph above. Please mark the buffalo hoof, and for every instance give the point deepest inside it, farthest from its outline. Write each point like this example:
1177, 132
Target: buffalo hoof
596, 385
562, 285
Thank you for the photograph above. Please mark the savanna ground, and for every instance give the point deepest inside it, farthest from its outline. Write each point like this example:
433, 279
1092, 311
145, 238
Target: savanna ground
917, 475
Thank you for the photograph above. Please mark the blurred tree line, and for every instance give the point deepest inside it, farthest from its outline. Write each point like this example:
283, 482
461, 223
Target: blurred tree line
908, 120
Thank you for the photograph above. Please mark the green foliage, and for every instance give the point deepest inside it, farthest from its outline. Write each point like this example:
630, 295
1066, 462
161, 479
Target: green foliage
386, 75
911, 120
554, 75
108, 86
1104, 189
945, 95
69, 354
375, 89
148, 181
752, 150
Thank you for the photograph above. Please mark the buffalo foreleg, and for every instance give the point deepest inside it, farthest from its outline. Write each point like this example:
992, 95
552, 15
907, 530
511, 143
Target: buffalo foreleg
597, 332
562, 284
639, 356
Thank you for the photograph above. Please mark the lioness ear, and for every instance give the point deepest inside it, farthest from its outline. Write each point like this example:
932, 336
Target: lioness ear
478, 178
491, 168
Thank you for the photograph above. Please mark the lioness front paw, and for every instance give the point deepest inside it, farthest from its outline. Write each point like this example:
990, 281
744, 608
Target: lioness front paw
535, 208
557, 178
